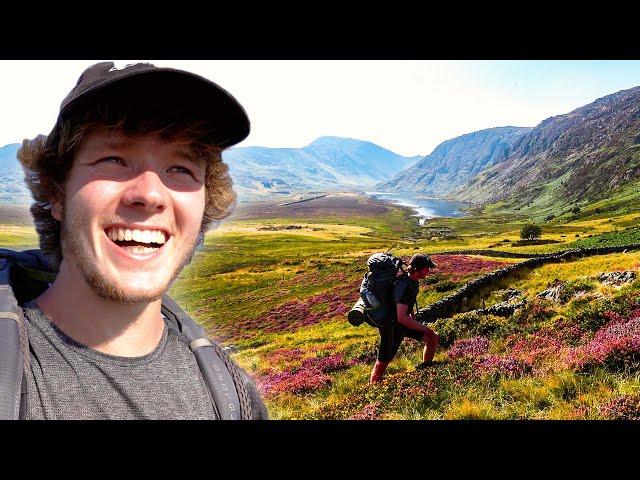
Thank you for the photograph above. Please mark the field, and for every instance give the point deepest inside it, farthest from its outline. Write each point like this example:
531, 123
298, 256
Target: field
275, 283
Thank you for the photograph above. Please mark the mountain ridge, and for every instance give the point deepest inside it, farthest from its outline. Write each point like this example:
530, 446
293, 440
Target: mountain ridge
580, 155
455, 162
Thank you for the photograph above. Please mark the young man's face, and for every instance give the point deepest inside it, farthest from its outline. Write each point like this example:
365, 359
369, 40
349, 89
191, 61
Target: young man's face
131, 215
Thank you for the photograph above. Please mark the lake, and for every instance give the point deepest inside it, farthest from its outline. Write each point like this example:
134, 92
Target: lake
424, 207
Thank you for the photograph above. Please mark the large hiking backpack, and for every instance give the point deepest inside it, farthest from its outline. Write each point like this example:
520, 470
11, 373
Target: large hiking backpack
25, 275
376, 290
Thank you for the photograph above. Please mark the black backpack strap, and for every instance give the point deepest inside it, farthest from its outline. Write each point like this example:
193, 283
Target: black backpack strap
402, 281
14, 347
223, 378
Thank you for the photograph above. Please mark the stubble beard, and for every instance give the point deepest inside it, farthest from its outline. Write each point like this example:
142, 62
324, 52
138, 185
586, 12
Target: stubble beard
73, 249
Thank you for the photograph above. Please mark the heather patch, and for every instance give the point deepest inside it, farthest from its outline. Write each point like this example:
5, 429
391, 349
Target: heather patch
538, 348
469, 348
298, 382
504, 365
615, 346
567, 331
283, 359
312, 374
460, 266
623, 407
370, 411
296, 314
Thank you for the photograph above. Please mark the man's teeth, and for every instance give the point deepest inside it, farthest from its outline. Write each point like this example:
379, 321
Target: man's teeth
139, 249
142, 236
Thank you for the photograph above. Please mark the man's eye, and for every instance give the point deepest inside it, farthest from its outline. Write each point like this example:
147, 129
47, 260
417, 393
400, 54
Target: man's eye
111, 160
180, 169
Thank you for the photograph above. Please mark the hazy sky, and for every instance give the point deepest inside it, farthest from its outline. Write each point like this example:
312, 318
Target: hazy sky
406, 106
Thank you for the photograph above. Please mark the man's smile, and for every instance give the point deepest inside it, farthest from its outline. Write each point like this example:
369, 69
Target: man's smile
137, 241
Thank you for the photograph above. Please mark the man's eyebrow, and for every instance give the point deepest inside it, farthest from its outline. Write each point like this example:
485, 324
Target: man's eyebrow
118, 143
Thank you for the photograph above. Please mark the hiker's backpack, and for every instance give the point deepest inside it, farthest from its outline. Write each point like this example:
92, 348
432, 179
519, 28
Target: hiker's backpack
377, 290
25, 275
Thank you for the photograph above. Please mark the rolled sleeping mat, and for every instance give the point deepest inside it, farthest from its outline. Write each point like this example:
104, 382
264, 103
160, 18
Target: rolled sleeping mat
356, 315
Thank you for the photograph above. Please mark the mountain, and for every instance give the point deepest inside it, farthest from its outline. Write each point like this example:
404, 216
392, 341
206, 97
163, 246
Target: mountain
13, 190
455, 162
327, 163
581, 155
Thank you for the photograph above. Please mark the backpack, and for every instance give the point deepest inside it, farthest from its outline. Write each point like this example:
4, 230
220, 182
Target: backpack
25, 275
376, 290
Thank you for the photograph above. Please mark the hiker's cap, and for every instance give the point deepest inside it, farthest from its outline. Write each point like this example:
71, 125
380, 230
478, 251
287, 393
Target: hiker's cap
182, 91
420, 261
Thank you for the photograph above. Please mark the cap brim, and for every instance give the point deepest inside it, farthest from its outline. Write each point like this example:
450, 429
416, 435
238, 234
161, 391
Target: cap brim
182, 93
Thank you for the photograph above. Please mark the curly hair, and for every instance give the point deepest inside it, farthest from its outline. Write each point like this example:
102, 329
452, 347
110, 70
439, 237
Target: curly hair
47, 161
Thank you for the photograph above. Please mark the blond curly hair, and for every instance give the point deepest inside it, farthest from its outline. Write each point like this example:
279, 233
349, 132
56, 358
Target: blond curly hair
47, 161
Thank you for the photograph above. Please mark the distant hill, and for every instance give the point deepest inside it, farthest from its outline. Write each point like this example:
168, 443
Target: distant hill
454, 163
582, 155
13, 190
327, 163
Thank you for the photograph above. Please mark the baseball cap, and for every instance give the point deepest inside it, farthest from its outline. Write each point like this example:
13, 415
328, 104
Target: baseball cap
183, 93
419, 261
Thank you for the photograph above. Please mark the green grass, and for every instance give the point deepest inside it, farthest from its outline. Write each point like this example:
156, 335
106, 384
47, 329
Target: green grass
18, 237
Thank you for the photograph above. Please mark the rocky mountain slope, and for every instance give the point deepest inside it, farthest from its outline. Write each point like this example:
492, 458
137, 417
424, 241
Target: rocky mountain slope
454, 163
582, 155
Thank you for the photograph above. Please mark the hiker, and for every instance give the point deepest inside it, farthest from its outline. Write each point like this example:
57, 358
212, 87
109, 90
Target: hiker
125, 187
400, 323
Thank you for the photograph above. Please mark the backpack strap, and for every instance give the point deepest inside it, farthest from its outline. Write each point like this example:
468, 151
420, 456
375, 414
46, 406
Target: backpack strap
230, 397
403, 285
402, 282
14, 347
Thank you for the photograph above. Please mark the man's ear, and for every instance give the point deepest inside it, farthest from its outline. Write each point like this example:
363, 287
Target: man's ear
56, 210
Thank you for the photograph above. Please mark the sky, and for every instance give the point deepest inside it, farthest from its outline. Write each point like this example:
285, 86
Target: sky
408, 107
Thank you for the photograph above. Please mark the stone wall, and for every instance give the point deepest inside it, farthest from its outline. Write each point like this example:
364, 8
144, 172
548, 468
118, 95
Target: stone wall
462, 299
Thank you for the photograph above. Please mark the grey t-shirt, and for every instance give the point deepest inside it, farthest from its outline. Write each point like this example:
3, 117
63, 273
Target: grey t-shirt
68, 380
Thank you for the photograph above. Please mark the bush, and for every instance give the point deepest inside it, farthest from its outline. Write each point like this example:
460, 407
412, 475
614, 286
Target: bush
530, 231
471, 324
434, 278
445, 286
575, 210
549, 217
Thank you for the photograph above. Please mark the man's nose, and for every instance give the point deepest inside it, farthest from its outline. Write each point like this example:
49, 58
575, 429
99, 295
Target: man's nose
146, 191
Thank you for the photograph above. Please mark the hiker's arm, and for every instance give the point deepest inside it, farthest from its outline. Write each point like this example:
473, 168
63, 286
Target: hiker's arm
407, 320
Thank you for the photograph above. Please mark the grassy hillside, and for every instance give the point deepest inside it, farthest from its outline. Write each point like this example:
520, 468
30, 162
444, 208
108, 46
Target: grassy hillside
280, 297
276, 282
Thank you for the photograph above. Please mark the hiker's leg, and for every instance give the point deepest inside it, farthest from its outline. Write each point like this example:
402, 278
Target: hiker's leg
430, 339
378, 371
390, 340
385, 351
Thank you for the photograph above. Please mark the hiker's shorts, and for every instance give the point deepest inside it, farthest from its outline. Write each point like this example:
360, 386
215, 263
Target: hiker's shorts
391, 336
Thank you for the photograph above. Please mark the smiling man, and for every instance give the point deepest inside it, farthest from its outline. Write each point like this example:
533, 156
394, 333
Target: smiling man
125, 186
